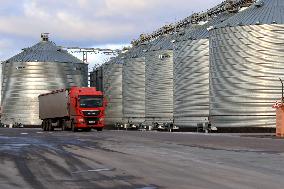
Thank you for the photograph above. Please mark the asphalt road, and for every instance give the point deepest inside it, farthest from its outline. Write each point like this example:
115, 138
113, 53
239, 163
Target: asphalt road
30, 158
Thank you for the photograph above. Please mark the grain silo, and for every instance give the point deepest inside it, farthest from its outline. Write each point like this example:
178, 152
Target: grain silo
38, 69
112, 88
134, 84
191, 71
159, 80
246, 61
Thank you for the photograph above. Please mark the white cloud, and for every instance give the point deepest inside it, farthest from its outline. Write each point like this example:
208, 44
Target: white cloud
5, 48
123, 7
5, 43
111, 46
88, 22
100, 19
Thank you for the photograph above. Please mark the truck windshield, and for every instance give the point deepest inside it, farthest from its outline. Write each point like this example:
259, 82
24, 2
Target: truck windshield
91, 101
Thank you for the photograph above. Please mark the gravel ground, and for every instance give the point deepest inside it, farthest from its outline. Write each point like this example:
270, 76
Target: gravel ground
30, 158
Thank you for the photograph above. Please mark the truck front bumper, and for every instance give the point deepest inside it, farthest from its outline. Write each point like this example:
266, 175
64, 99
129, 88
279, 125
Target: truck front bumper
84, 125
89, 122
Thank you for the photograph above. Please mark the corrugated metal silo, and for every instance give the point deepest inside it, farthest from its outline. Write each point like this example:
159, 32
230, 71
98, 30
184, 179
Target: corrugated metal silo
134, 85
246, 61
191, 73
39, 69
159, 80
112, 88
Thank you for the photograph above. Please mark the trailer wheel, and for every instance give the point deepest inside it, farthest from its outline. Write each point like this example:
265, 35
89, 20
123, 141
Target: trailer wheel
44, 125
49, 126
64, 126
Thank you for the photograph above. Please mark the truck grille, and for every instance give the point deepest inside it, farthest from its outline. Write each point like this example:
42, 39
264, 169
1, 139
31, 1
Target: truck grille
91, 112
92, 121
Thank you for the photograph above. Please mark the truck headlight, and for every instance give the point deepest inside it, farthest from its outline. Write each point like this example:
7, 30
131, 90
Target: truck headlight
81, 120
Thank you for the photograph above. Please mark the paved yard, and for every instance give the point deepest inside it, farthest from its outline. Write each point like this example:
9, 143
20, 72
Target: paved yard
138, 160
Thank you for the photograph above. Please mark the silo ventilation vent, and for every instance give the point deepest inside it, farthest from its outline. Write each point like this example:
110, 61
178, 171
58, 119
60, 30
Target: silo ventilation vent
210, 28
182, 33
258, 23
20, 67
164, 56
259, 4
44, 36
240, 24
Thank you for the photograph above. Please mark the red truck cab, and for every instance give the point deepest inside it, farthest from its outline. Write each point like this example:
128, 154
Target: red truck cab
87, 106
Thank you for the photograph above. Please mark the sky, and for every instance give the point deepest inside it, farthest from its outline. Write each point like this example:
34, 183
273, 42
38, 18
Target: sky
87, 23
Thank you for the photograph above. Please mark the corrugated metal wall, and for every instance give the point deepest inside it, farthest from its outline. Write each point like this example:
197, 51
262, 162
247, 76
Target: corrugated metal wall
134, 89
159, 80
246, 61
112, 84
191, 73
191, 83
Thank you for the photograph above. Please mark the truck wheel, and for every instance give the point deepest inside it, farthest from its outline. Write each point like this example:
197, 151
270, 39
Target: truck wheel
73, 127
88, 129
99, 129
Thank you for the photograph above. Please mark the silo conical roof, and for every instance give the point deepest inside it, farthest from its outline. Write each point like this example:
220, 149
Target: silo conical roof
138, 51
164, 42
201, 30
261, 12
44, 51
